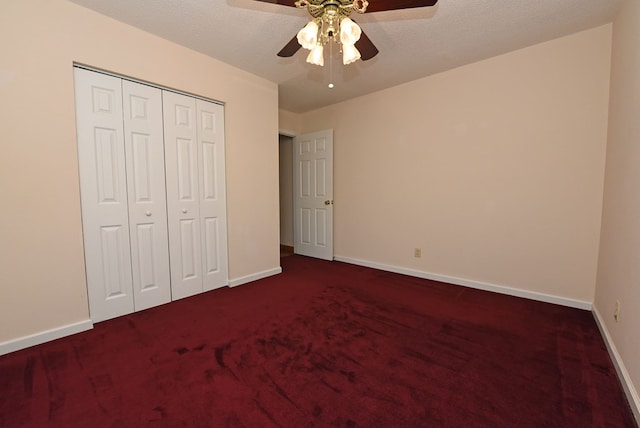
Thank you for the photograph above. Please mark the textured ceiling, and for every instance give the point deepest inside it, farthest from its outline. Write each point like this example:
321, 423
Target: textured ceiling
413, 43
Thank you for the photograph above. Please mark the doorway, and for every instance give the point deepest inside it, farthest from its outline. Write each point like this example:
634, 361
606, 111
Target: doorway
306, 194
285, 143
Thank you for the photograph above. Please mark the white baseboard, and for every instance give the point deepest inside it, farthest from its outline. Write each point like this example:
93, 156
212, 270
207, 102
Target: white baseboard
627, 384
548, 298
67, 330
254, 277
44, 336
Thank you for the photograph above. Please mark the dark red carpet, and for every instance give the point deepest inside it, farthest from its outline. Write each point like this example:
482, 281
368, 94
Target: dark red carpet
324, 344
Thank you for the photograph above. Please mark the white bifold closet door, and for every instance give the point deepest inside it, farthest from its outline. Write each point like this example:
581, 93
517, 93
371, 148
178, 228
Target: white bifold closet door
149, 237
196, 200
122, 183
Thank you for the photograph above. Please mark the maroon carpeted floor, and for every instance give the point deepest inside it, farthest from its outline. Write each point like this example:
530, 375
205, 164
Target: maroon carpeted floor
324, 344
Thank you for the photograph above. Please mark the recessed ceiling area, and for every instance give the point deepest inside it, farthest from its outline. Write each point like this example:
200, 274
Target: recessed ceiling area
413, 43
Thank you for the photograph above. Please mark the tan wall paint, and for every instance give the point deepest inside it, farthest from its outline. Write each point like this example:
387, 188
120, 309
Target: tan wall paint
41, 255
619, 264
289, 122
495, 170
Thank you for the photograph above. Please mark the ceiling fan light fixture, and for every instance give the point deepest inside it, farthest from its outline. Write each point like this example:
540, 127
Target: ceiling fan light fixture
349, 32
327, 16
308, 36
331, 24
350, 54
316, 56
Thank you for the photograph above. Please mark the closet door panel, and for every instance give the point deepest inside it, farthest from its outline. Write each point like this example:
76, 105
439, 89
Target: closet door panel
189, 251
213, 210
144, 147
183, 196
103, 190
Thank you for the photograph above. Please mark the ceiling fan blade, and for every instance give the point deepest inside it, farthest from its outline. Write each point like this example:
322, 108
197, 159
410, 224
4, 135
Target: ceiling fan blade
382, 5
291, 3
290, 48
366, 47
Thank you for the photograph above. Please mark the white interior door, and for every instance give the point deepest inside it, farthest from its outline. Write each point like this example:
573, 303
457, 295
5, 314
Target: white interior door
183, 196
144, 148
213, 207
103, 188
313, 194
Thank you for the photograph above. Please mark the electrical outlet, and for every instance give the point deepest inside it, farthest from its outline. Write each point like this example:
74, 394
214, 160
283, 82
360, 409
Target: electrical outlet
417, 253
616, 311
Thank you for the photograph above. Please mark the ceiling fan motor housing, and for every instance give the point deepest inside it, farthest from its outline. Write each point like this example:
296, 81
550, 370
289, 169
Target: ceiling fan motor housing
343, 8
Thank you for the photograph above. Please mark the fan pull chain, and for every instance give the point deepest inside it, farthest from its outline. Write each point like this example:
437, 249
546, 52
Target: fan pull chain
330, 64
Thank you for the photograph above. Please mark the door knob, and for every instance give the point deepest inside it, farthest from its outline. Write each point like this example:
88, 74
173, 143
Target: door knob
184, 211
327, 202
148, 213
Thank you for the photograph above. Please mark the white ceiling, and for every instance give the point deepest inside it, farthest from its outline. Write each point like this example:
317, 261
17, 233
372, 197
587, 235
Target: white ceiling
413, 43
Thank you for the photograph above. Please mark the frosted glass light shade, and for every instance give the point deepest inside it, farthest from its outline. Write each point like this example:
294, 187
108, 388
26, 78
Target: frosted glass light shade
349, 54
349, 32
316, 56
308, 36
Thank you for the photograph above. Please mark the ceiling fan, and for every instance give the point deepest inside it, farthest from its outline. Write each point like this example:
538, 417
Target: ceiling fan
330, 22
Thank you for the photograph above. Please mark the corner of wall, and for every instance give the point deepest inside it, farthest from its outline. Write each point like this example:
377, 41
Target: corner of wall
625, 379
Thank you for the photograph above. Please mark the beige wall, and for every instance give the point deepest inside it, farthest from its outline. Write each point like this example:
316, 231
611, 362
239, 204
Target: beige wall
289, 123
495, 170
619, 263
41, 255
